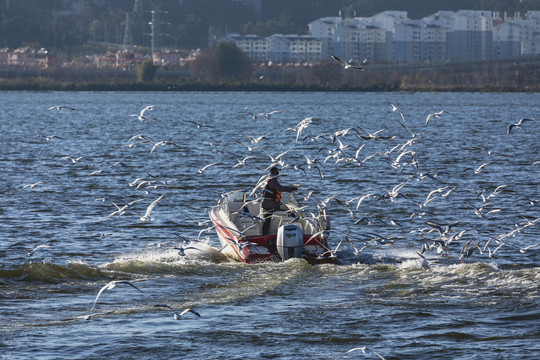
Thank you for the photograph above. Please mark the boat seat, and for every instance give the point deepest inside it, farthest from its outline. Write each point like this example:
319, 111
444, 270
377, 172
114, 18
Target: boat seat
248, 226
235, 206
253, 208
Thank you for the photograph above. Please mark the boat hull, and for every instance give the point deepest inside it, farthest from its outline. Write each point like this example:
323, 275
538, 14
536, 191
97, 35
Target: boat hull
262, 248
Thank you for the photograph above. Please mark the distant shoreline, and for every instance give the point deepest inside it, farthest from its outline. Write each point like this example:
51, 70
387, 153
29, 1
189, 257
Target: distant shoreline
43, 86
502, 76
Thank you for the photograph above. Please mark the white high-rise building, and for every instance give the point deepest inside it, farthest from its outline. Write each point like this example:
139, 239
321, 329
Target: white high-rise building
294, 48
471, 35
324, 30
417, 41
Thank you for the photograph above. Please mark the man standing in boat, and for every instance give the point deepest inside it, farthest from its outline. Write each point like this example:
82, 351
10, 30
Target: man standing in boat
272, 197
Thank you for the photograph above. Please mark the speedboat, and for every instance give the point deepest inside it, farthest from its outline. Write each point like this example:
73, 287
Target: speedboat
238, 223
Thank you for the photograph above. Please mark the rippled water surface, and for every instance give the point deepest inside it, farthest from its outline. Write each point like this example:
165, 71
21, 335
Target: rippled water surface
460, 169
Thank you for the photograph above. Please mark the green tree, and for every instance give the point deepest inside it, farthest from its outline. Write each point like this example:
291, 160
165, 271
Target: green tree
146, 71
233, 62
225, 61
206, 66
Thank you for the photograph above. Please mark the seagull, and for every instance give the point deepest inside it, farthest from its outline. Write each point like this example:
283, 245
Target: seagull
146, 216
200, 223
437, 115
302, 125
89, 316
466, 251
163, 143
478, 169
269, 114
181, 249
265, 116
112, 285
366, 350
243, 161
31, 186
177, 316
362, 198
198, 125
119, 210
47, 137
95, 172
208, 229
247, 146
141, 116
429, 198
276, 159
347, 66
73, 160
345, 206
61, 107
442, 229
518, 124
38, 247
256, 140
373, 136
200, 171
424, 262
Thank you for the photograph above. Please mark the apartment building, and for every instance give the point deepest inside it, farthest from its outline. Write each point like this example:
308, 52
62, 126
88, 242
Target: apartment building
255, 47
278, 48
446, 36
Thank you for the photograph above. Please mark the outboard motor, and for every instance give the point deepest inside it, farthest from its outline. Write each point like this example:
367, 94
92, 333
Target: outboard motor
290, 241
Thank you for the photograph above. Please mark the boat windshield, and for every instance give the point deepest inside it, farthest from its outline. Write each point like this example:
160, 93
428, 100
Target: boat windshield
235, 196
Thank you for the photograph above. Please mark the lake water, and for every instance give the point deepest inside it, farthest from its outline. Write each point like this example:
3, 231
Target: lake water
382, 295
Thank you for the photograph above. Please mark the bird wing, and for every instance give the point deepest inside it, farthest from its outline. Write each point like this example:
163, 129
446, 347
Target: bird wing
109, 286
339, 60
164, 306
191, 311
151, 206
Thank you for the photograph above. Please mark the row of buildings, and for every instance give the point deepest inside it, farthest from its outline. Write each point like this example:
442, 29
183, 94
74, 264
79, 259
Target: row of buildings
27, 57
385, 38
391, 37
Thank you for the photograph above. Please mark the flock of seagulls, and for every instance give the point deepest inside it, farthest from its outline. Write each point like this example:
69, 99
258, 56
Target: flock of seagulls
332, 148
340, 151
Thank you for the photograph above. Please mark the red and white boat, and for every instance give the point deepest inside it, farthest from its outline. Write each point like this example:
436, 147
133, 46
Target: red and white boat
238, 223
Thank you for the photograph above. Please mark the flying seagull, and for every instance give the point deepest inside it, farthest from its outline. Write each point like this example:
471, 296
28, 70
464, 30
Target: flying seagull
141, 116
365, 350
146, 216
31, 186
347, 66
178, 316
38, 247
517, 125
181, 249
437, 115
61, 107
112, 285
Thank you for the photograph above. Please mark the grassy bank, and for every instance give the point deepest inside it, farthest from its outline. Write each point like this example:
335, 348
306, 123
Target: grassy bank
502, 76
38, 84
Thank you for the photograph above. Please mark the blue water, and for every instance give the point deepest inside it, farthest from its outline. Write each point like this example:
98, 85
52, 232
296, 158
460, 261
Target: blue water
381, 296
